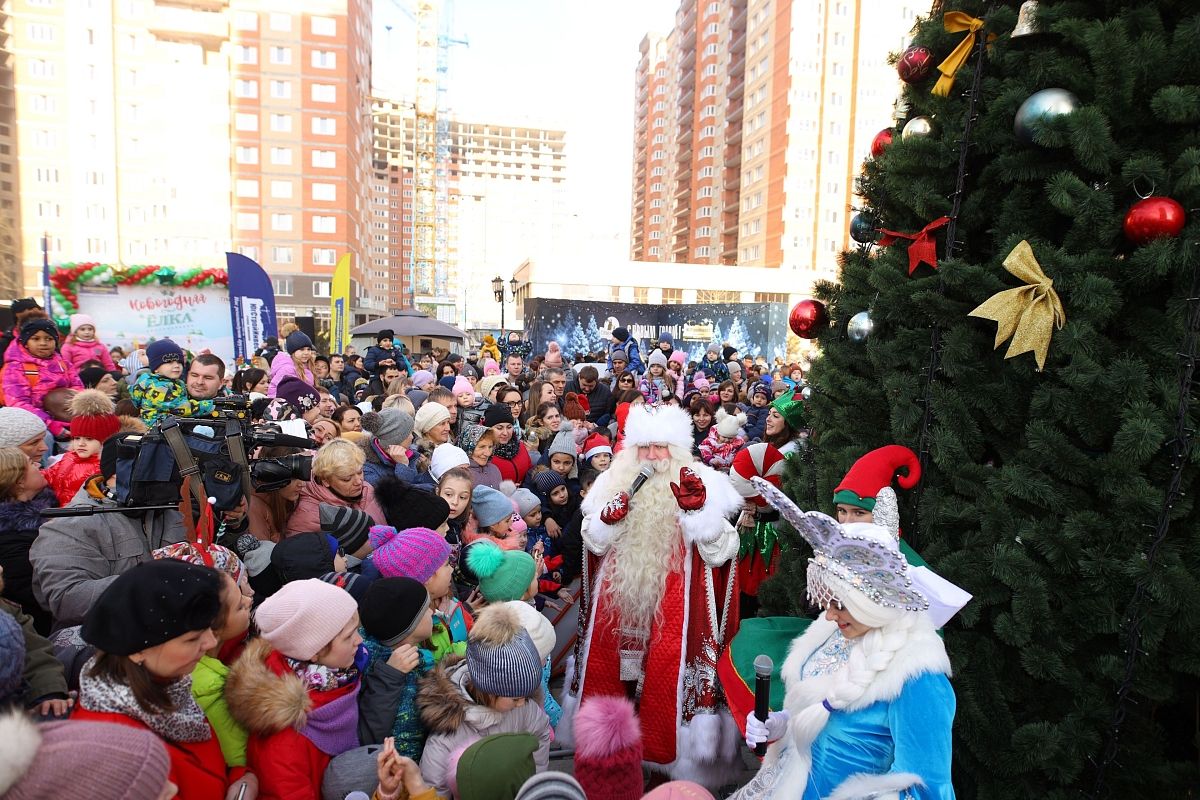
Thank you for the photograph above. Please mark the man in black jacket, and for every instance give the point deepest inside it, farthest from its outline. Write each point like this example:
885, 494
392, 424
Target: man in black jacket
598, 394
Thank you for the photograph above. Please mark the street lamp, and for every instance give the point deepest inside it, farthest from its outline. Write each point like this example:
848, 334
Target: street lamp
498, 291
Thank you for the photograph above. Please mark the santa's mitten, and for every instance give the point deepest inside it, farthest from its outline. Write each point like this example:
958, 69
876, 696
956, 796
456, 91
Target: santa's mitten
616, 509
690, 492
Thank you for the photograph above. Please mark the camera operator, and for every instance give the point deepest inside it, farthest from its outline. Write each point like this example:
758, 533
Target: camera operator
75, 559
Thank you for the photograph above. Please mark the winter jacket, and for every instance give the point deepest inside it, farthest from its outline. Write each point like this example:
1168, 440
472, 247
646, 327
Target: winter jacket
68, 474
208, 687
489, 349
717, 454
43, 675
756, 423
156, 396
488, 475
655, 390
75, 559
78, 353
282, 366
380, 465
27, 380
307, 516
454, 720
375, 354
599, 400
197, 768
19, 524
630, 346
570, 547
273, 705
516, 469
717, 371
450, 632
387, 704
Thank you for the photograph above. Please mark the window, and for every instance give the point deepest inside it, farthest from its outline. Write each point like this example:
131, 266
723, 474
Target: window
281, 222
244, 88
712, 29
324, 256
672, 297
282, 286
324, 158
281, 22
324, 191
245, 55
44, 104
710, 50
321, 288
245, 21
706, 191
324, 59
708, 131
657, 171
659, 155
324, 26
324, 126
282, 255
702, 251
37, 32
249, 251
41, 68
247, 221
654, 251
704, 232
281, 156
281, 123
44, 138
323, 224
46, 175
770, 297
656, 202
710, 70
656, 187
281, 90
324, 93
706, 152
281, 55
247, 188
749, 254
281, 189
656, 219
704, 211
706, 172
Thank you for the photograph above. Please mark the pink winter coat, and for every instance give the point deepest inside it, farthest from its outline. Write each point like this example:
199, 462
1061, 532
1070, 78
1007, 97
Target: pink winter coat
283, 366
27, 380
307, 516
76, 353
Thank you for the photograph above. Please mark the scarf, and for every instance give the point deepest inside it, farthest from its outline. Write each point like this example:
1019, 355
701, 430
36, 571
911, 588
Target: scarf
186, 723
320, 678
509, 451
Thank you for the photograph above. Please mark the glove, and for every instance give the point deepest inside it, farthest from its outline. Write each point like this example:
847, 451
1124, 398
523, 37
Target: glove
689, 493
616, 509
59, 429
773, 729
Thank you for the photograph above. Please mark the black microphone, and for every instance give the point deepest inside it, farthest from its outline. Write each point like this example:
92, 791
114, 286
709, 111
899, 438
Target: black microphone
643, 475
763, 667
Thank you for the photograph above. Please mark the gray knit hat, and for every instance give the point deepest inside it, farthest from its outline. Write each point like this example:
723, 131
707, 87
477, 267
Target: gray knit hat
390, 426
551, 785
564, 441
349, 525
526, 501
501, 656
18, 426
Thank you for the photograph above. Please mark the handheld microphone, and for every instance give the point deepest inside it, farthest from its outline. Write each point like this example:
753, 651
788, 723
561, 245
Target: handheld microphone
643, 475
763, 667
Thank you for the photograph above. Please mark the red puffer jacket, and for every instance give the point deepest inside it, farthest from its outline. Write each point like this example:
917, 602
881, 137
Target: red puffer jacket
515, 469
68, 474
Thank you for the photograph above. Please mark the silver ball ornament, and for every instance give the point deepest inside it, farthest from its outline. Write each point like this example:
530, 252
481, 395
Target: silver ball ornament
806, 393
920, 127
860, 326
1046, 104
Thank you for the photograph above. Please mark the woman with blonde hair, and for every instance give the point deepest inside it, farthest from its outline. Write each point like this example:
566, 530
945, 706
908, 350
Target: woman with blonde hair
23, 496
337, 480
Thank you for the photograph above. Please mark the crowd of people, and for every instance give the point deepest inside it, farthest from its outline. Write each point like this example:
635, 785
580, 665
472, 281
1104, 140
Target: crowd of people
382, 617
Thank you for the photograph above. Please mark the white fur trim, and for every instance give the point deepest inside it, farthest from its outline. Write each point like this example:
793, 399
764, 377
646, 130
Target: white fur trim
565, 732
19, 742
707, 751
660, 425
875, 787
709, 525
597, 534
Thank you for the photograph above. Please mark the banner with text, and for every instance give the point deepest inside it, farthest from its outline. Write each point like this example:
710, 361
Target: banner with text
196, 318
339, 307
251, 306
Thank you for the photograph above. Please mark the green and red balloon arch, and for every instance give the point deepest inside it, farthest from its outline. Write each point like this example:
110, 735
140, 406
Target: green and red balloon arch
65, 280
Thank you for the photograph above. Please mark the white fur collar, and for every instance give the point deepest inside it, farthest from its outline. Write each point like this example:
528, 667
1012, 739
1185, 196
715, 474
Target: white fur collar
923, 653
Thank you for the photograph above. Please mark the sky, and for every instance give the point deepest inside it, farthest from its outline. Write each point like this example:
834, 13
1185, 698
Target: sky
559, 64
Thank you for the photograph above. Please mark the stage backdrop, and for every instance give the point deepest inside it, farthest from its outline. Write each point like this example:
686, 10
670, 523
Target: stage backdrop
197, 318
582, 326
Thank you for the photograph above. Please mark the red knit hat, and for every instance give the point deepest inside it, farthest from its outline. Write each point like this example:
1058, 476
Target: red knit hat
874, 471
92, 415
608, 754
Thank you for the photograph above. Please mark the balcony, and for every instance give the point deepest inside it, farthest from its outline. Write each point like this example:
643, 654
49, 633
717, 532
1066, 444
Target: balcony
186, 24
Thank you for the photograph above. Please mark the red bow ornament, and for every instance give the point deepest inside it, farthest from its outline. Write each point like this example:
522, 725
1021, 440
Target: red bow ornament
923, 247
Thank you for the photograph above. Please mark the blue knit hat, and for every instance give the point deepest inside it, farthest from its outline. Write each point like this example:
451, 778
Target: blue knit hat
490, 506
666, 337
297, 341
502, 659
547, 481
163, 351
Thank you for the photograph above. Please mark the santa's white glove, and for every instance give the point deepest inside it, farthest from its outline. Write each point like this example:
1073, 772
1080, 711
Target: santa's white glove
774, 728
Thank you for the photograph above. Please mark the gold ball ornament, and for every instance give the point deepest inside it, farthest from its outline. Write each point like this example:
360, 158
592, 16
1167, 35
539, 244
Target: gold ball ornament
917, 128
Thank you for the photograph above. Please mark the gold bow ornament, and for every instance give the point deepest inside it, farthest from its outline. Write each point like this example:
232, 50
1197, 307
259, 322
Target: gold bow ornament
1027, 314
957, 22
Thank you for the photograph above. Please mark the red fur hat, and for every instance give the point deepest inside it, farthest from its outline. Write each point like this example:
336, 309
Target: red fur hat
608, 757
93, 415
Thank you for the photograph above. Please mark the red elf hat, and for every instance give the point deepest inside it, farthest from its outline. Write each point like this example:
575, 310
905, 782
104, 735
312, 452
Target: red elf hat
874, 471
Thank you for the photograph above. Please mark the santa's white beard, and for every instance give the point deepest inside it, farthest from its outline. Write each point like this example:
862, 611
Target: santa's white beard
649, 546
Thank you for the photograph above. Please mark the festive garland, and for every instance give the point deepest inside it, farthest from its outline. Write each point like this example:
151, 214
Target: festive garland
65, 280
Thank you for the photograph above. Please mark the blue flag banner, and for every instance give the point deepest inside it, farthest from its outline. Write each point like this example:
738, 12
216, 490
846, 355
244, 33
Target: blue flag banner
251, 304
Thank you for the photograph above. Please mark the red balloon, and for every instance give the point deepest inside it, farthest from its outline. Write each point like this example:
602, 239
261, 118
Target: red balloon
808, 319
1154, 218
915, 64
881, 141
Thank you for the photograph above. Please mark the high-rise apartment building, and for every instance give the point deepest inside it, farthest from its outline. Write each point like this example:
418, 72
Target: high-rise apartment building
11, 277
506, 187
753, 118
158, 131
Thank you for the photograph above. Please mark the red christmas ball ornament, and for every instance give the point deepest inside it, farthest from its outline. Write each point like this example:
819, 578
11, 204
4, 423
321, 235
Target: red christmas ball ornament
880, 142
915, 64
1154, 218
808, 319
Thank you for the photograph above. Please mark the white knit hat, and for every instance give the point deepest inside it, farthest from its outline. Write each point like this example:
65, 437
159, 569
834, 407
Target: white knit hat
304, 616
658, 357
728, 424
669, 425
538, 627
18, 426
429, 415
445, 458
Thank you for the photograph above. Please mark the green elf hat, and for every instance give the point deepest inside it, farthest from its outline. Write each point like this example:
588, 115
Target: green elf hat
874, 472
791, 408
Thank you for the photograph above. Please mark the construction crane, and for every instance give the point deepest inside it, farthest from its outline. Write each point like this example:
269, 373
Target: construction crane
428, 259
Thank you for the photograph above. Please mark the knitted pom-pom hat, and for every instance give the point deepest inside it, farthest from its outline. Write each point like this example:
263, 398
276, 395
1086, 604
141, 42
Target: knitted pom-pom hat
504, 575
608, 754
93, 415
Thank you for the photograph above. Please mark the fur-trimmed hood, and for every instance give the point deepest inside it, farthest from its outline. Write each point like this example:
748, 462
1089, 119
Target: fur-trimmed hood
261, 699
19, 742
442, 698
26, 515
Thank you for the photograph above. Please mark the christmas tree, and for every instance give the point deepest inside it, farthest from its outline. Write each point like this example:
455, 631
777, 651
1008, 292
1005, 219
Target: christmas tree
1061, 497
597, 341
